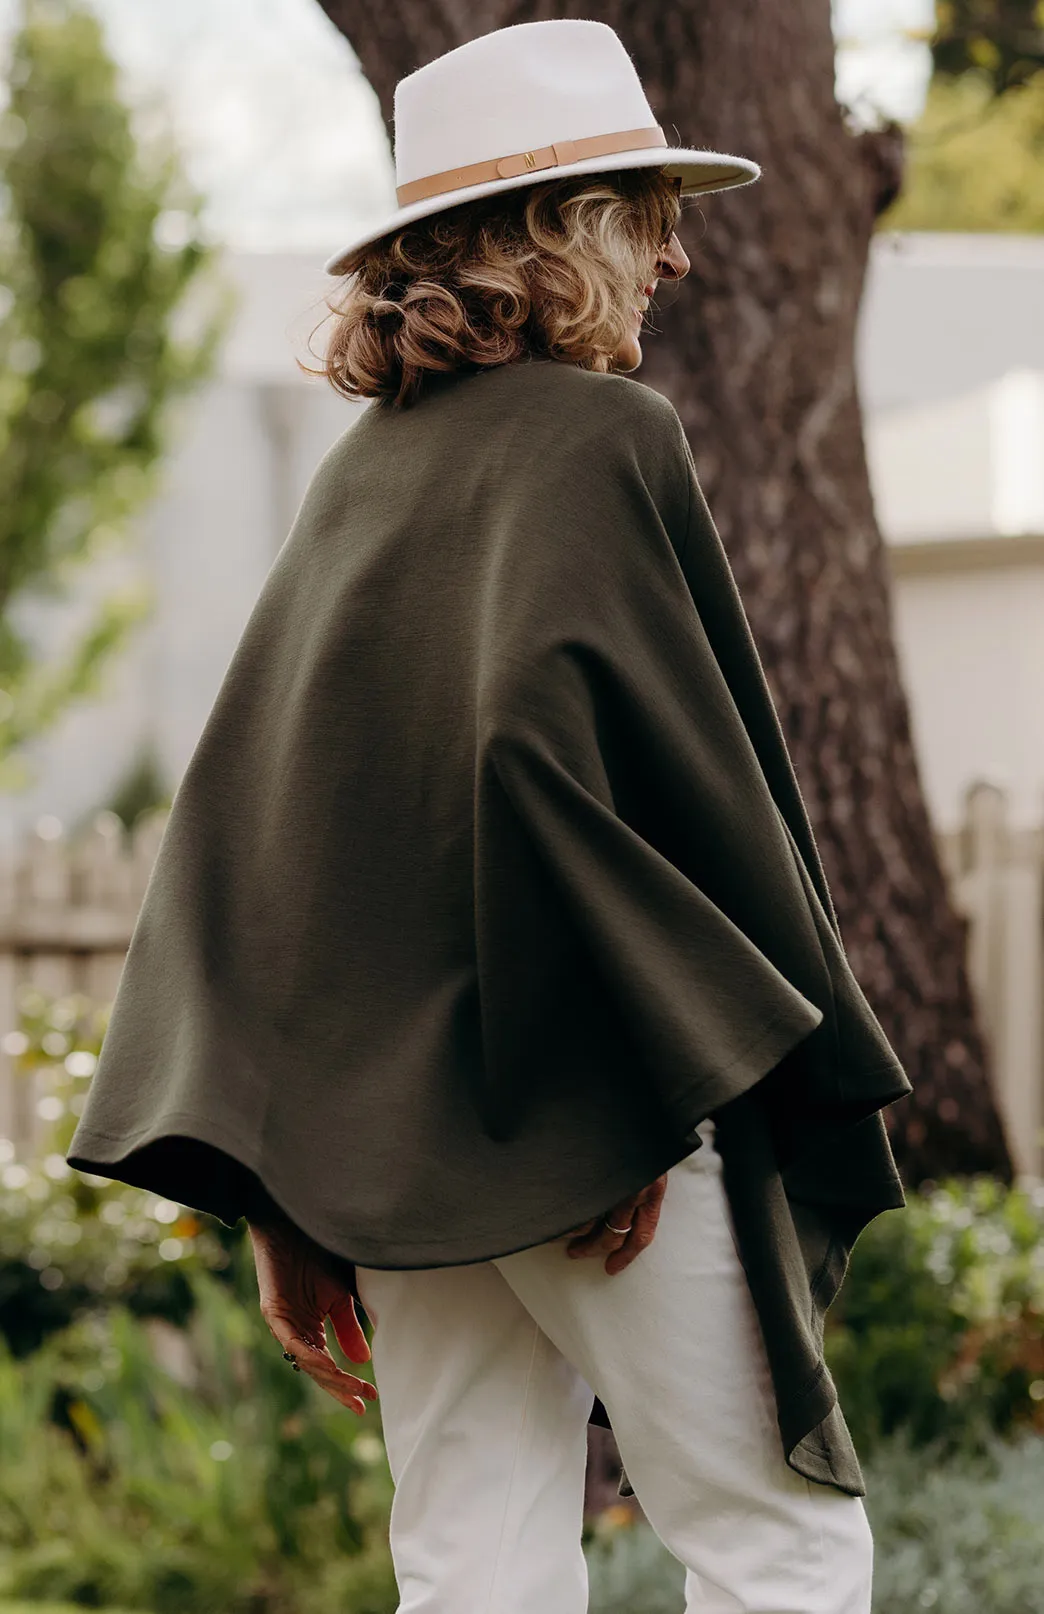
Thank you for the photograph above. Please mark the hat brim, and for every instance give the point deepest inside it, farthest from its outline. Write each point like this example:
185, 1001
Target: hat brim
701, 173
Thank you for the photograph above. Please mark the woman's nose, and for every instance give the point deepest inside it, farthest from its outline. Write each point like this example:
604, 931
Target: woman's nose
673, 263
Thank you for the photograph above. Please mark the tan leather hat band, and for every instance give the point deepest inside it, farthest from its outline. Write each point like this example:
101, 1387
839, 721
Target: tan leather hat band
526, 162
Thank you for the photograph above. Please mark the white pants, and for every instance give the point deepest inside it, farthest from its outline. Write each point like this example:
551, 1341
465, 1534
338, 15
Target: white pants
487, 1374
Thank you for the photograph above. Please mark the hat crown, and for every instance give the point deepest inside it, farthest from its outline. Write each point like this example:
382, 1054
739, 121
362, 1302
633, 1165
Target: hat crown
514, 90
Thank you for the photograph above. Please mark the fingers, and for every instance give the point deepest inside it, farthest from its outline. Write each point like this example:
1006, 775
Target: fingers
639, 1215
310, 1352
601, 1239
643, 1231
348, 1329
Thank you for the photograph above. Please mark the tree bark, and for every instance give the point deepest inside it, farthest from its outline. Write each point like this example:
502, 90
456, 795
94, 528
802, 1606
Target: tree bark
757, 355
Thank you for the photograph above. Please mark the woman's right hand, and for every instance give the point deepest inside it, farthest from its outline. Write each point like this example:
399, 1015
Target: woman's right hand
637, 1217
298, 1291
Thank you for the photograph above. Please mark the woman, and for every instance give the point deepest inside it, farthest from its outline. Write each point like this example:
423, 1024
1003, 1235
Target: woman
487, 965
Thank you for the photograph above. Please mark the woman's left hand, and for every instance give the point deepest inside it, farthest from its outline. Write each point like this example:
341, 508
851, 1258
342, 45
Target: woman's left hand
639, 1215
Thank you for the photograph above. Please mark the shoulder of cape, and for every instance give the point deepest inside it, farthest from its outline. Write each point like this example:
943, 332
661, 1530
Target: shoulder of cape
542, 432
630, 426
583, 402
569, 406
612, 465
600, 428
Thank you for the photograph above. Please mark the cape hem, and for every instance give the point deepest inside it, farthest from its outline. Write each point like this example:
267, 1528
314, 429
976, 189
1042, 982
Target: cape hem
94, 1150
99, 1154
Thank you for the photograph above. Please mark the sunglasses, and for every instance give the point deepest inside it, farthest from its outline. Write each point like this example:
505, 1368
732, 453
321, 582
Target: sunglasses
676, 185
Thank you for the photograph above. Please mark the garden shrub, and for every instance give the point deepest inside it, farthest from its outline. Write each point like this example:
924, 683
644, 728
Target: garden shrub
245, 1491
55, 1608
630, 1571
960, 1533
939, 1326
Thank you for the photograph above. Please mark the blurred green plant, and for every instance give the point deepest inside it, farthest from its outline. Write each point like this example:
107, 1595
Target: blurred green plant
974, 161
629, 1570
959, 1534
157, 1451
1001, 38
939, 1327
53, 1608
212, 1482
143, 789
105, 320
974, 158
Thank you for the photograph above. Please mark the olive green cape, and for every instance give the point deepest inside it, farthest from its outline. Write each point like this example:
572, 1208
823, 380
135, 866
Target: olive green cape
489, 879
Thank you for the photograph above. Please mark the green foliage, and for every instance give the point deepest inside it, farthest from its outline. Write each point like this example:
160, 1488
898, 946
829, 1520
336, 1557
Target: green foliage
235, 1488
142, 790
1003, 39
939, 1326
100, 247
974, 162
630, 1571
50, 1608
228, 1486
962, 1535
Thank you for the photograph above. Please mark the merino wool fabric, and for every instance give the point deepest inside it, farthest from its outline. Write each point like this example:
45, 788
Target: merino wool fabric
490, 878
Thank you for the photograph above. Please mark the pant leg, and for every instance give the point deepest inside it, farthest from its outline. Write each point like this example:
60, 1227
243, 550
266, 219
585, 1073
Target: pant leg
673, 1347
485, 1424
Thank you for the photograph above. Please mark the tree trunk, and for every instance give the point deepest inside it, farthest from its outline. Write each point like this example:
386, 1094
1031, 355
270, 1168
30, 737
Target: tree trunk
757, 355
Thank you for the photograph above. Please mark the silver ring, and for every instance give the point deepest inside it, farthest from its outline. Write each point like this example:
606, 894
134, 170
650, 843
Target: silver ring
613, 1229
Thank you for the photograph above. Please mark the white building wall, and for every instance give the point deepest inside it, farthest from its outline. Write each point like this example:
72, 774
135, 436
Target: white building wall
944, 314
232, 496
971, 648
931, 469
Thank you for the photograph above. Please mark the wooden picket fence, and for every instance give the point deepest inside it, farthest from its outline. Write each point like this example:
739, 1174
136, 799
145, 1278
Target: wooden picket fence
996, 877
67, 909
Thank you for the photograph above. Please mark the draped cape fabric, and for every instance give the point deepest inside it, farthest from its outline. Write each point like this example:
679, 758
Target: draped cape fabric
490, 878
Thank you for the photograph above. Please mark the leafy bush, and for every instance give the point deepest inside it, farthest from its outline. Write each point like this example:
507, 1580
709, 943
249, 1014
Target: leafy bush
180, 1469
235, 1487
630, 1571
939, 1327
50, 1608
962, 1535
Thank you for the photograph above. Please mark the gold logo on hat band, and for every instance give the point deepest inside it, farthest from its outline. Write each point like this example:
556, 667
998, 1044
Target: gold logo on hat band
557, 155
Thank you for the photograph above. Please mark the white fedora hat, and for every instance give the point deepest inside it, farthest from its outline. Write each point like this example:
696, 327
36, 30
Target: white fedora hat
535, 101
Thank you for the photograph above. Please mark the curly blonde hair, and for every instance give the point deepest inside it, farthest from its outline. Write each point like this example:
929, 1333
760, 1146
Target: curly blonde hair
548, 270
